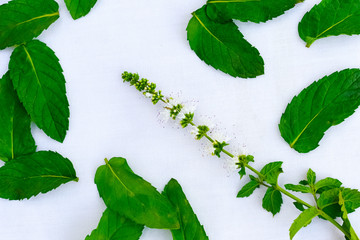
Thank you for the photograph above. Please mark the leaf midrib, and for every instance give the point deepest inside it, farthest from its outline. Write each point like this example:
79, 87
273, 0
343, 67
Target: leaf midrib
116, 176
49, 15
332, 26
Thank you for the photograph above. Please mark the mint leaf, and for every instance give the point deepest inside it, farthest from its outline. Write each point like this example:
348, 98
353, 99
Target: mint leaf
40, 85
223, 47
272, 201
330, 18
131, 196
248, 189
248, 10
23, 20
323, 104
329, 201
190, 227
345, 218
271, 172
311, 177
327, 184
39, 172
113, 226
79, 8
298, 188
15, 132
303, 220
299, 206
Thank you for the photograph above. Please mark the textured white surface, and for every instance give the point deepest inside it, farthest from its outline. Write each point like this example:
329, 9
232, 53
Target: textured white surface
109, 118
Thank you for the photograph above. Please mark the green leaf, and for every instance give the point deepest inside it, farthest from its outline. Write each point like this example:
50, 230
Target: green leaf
299, 206
40, 84
223, 47
131, 196
345, 218
190, 227
323, 104
272, 201
15, 132
303, 220
327, 184
311, 177
298, 188
330, 18
23, 20
113, 226
79, 8
271, 172
329, 201
248, 189
29, 175
248, 10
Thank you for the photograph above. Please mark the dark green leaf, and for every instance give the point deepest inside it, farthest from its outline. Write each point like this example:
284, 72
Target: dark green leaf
298, 188
311, 177
40, 84
131, 196
330, 18
304, 182
223, 47
15, 132
327, 184
190, 227
248, 10
112, 226
302, 220
79, 8
248, 189
299, 206
272, 201
271, 172
23, 20
323, 104
29, 175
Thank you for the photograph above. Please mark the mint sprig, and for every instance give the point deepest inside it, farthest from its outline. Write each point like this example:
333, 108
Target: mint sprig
329, 203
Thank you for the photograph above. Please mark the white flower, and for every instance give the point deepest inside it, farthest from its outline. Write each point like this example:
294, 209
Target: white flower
148, 95
205, 120
164, 115
230, 164
219, 136
194, 130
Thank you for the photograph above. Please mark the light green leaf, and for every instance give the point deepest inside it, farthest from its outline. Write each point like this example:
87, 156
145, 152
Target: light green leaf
248, 189
298, 188
326, 184
271, 172
345, 218
248, 10
311, 177
190, 227
330, 18
303, 220
323, 104
40, 85
272, 201
223, 47
113, 226
131, 196
39, 172
23, 20
79, 8
15, 132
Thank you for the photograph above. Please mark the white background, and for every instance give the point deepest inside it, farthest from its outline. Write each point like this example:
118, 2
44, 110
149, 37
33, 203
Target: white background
109, 118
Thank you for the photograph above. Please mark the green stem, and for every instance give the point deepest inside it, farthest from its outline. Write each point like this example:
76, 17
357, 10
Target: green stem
277, 187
